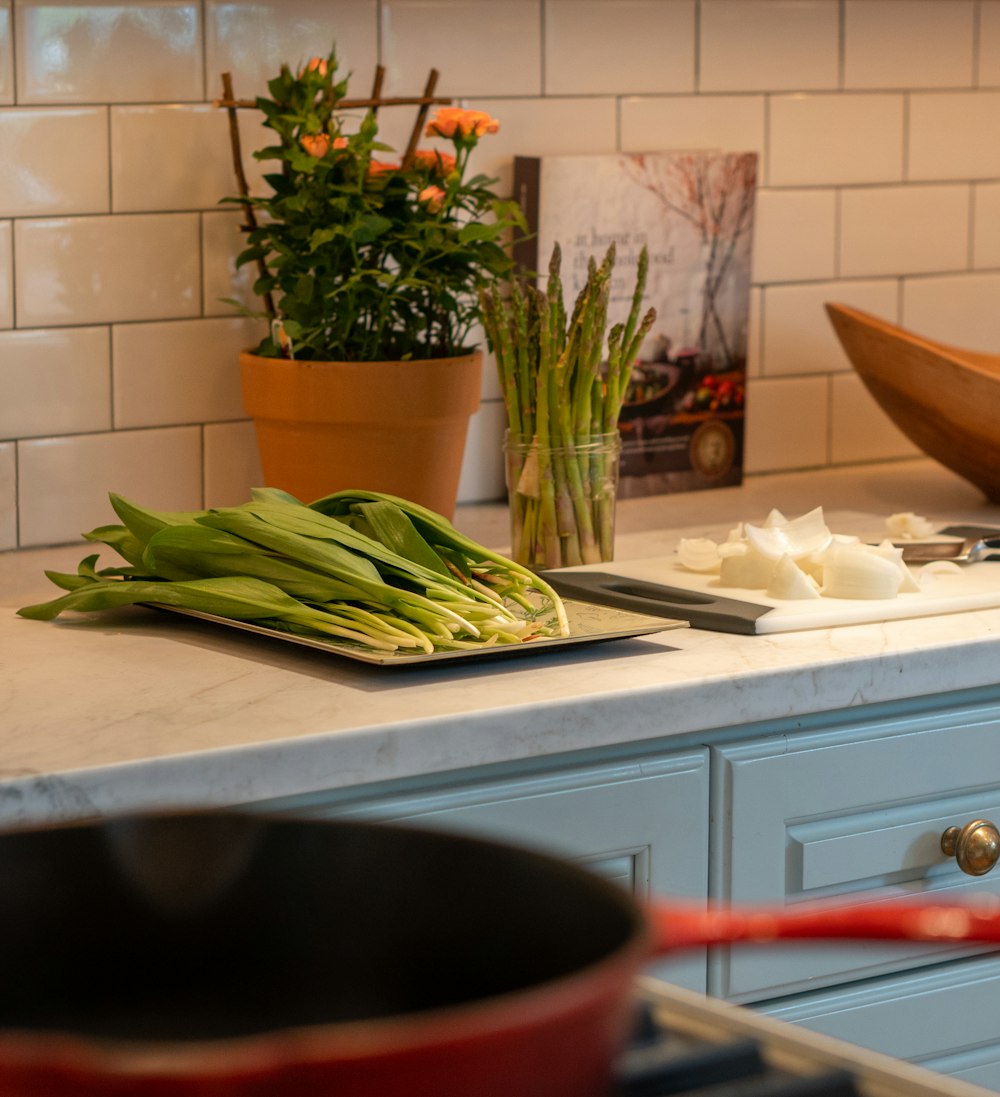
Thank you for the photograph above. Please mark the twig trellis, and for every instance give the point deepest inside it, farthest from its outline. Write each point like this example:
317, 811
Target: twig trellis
375, 101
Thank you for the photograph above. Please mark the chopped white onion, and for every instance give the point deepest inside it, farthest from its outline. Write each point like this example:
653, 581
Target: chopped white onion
789, 581
854, 571
938, 568
888, 551
906, 525
749, 568
796, 538
698, 554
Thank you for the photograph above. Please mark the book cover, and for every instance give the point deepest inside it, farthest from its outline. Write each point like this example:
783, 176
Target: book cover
682, 424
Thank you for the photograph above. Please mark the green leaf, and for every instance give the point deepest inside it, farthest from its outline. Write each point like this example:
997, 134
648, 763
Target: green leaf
122, 540
393, 528
143, 523
198, 551
477, 230
370, 228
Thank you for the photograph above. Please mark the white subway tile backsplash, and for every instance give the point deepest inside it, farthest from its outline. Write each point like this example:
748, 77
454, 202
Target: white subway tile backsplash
731, 122
55, 381
954, 135
6, 274
479, 47
786, 424
64, 482
798, 336
822, 140
959, 309
251, 39
153, 150
904, 230
86, 270
222, 240
482, 476
986, 224
794, 235
877, 123
758, 45
988, 55
6, 55
8, 496
859, 429
600, 47
533, 127
54, 162
908, 43
232, 465
73, 52
181, 371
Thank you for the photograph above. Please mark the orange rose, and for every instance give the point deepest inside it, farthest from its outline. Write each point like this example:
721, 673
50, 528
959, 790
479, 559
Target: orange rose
380, 167
433, 197
440, 162
316, 64
316, 144
340, 142
450, 121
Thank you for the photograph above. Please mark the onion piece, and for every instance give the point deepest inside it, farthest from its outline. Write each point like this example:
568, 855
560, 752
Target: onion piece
698, 554
854, 571
938, 568
796, 538
906, 524
789, 581
747, 568
888, 551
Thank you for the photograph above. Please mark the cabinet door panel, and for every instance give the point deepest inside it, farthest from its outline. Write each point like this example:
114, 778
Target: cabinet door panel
945, 1018
642, 824
852, 814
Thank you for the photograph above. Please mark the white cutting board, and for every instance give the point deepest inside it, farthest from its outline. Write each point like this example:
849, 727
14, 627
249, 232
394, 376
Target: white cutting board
975, 586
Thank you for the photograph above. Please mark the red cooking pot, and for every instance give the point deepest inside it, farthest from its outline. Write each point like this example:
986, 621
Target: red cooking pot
226, 955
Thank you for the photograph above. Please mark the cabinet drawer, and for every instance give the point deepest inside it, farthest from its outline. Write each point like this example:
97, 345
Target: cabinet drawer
944, 1018
641, 824
852, 813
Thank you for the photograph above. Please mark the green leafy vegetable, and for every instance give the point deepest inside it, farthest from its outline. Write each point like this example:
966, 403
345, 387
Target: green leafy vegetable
364, 567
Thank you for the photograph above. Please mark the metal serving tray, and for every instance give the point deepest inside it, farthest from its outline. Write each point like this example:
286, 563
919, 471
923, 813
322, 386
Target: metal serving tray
589, 624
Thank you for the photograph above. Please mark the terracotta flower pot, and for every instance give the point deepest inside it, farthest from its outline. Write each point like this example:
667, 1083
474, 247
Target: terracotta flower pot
397, 427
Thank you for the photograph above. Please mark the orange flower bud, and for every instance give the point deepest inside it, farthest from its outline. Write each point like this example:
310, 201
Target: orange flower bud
317, 64
433, 197
316, 144
442, 163
452, 121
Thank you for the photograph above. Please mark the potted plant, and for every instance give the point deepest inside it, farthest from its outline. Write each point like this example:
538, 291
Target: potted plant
369, 267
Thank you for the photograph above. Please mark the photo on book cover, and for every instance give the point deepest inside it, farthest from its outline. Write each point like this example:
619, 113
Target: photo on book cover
682, 423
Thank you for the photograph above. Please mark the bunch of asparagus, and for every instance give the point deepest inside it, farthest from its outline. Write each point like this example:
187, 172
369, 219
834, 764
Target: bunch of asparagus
563, 397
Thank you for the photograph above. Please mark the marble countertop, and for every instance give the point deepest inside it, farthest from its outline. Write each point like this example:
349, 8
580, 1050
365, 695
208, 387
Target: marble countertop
134, 710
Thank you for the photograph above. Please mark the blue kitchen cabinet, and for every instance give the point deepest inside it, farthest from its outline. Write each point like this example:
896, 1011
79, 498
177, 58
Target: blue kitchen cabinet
639, 822
855, 813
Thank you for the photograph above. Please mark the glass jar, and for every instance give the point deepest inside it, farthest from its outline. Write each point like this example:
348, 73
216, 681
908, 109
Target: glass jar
562, 498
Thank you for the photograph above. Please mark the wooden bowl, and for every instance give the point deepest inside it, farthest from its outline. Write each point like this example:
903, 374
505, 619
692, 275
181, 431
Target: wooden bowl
945, 399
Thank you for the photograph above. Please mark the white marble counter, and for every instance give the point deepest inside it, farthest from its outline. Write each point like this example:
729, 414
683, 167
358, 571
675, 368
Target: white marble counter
109, 713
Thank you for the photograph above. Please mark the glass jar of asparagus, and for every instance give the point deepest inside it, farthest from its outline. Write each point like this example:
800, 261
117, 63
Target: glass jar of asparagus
563, 394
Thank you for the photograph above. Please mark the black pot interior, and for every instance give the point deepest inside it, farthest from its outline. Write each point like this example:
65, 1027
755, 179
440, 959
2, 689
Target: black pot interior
203, 926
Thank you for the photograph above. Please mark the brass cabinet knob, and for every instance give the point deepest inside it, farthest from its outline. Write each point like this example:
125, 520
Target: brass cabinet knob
976, 846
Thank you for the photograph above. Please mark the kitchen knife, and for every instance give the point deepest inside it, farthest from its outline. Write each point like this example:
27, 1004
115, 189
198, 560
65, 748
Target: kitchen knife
641, 596
972, 550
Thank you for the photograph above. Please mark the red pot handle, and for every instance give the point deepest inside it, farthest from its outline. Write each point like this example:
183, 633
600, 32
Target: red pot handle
676, 925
